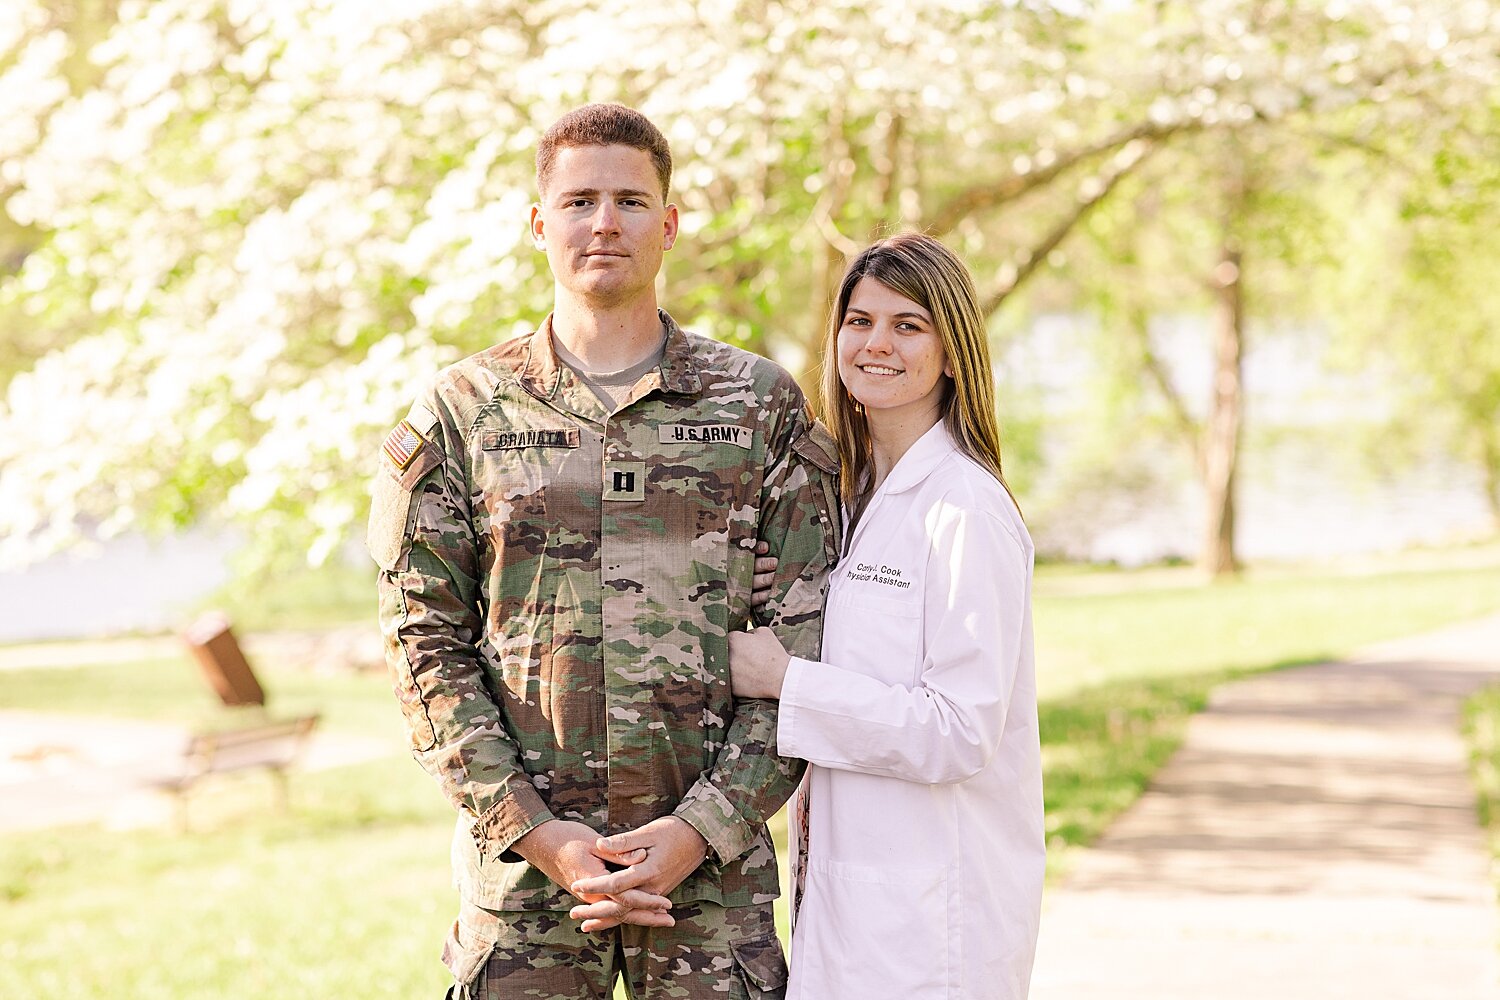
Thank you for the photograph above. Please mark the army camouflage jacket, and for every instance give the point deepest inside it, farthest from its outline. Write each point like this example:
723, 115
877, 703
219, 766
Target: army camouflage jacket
556, 590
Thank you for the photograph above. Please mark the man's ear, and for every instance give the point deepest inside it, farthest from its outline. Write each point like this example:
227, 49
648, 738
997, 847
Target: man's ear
669, 228
538, 240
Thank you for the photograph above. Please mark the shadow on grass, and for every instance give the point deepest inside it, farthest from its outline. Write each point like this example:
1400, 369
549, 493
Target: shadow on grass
1101, 746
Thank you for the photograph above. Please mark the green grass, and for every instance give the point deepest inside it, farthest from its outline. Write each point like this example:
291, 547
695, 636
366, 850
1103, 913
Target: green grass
334, 593
1125, 626
348, 896
1482, 730
173, 690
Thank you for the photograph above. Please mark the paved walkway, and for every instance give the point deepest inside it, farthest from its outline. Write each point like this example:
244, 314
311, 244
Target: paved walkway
58, 769
1315, 838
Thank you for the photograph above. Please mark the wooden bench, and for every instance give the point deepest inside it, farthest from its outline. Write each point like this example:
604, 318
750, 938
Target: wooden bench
272, 744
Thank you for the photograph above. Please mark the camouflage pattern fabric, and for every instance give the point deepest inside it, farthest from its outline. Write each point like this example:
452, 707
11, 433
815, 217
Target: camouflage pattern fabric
557, 586
713, 953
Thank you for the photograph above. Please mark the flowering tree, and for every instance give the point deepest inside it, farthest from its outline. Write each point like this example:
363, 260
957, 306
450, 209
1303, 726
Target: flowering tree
1341, 106
253, 226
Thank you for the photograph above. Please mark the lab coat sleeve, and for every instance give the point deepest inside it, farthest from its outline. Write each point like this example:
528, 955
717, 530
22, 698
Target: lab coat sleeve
947, 727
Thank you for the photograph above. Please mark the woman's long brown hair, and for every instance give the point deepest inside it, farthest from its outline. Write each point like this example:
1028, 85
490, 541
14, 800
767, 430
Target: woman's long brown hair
931, 275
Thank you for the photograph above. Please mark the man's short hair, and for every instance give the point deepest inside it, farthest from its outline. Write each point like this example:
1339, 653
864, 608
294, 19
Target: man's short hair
604, 125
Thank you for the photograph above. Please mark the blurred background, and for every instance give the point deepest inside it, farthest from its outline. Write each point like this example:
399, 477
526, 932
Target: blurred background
1238, 258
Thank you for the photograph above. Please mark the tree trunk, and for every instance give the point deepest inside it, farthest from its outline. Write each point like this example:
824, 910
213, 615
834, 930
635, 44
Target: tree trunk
1221, 444
828, 271
1489, 456
829, 252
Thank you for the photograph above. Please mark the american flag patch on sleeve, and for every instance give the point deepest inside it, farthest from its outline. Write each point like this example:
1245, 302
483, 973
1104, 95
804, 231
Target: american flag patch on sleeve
403, 444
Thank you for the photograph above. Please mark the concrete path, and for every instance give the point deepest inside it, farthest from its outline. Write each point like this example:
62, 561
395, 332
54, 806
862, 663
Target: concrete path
59, 769
1315, 838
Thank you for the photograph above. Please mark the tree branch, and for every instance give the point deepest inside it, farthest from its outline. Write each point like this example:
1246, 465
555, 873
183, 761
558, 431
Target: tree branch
839, 174
1182, 420
1091, 193
1012, 186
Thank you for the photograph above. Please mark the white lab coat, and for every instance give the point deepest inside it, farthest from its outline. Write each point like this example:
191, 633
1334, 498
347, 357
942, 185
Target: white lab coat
926, 848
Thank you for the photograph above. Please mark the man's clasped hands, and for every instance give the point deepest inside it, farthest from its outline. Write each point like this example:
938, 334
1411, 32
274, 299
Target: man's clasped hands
655, 859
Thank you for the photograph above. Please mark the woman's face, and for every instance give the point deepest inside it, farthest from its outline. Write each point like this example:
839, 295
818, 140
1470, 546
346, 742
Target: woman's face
890, 356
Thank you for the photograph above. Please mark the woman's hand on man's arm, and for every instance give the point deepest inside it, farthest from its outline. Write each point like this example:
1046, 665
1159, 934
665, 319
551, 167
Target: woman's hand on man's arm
757, 663
765, 576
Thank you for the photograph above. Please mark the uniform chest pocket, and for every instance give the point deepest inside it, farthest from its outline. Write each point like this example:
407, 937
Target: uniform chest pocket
701, 485
875, 634
515, 479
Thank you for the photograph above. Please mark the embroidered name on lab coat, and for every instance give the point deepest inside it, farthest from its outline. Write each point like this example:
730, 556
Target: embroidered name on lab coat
882, 574
711, 433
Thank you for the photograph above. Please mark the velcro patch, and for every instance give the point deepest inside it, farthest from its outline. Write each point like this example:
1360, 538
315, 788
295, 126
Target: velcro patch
421, 419
624, 480
740, 437
402, 445
542, 437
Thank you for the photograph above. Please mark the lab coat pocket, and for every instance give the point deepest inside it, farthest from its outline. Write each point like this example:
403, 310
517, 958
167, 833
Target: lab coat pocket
879, 636
881, 932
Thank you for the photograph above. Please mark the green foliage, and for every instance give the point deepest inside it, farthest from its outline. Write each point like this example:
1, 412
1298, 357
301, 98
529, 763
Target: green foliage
1426, 321
253, 231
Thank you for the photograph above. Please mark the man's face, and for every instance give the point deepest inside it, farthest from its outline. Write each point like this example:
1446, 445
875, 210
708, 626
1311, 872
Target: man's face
604, 224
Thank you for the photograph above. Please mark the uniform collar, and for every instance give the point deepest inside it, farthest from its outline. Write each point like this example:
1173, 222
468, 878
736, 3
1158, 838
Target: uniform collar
920, 459
679, 366
542, 373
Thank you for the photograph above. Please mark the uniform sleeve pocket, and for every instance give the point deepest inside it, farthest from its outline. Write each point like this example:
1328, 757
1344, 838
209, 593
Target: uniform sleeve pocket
762, 966
391, 514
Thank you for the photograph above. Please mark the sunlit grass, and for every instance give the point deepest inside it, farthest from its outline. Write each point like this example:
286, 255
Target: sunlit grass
345, 896
1482, 730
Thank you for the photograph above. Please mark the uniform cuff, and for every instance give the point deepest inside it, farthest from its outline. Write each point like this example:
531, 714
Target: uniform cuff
706, 810
510, 819
787, 708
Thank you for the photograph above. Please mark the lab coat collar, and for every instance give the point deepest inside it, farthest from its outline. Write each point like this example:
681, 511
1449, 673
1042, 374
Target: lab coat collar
920, 459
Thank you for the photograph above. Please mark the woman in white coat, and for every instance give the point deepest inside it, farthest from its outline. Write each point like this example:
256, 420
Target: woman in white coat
919, 826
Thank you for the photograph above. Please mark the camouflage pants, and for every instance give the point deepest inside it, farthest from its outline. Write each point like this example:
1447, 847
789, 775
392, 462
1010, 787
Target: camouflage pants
723, 953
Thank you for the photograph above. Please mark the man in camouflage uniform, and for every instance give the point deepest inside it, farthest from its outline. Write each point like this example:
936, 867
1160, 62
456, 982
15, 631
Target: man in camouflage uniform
565, 526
